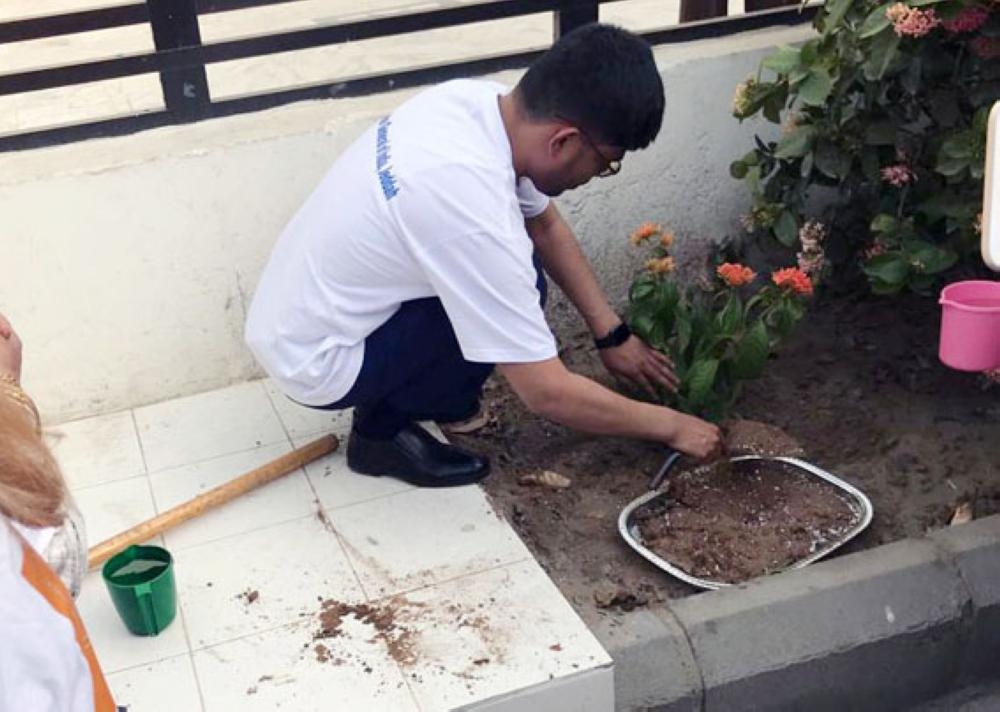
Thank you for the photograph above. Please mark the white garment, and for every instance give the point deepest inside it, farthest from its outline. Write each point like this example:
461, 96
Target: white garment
41, 666
64, 548
425, 203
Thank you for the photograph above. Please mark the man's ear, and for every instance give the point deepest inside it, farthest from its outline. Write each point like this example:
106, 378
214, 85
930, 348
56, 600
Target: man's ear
562, 139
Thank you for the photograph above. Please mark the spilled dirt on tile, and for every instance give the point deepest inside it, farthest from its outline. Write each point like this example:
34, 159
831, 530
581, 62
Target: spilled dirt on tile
249, 596
398, 624
399, 640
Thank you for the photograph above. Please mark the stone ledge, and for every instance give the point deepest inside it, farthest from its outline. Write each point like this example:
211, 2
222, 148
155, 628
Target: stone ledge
881, 629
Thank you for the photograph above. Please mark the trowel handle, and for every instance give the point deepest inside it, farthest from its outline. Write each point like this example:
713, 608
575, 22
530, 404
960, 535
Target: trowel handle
672, 457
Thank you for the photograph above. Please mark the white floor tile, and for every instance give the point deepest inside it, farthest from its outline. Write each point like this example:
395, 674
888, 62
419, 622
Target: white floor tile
590, 691
301, 421
116, 647
424, 536
165, 686
290, 566
113, 507
280, 669
490, 634
200, 427
97, 450
336, 486
287, 498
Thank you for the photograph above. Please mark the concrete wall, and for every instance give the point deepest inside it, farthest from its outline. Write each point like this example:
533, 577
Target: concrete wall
128, 262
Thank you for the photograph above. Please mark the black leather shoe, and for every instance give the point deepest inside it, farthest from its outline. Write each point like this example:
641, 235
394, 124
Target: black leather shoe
415, 456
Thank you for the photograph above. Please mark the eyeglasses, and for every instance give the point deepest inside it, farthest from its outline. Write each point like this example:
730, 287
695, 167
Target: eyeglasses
611, 166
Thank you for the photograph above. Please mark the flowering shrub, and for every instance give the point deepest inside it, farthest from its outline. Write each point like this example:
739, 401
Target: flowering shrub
887, 107
719, 332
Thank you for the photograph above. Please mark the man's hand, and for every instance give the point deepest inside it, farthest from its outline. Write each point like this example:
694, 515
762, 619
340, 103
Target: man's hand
10, 350
696, 437
640, 364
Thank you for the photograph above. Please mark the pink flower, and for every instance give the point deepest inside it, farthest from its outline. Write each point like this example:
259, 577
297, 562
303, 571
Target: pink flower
811, 262
912, 21
898, 175
968, 20
897, 12
875, 250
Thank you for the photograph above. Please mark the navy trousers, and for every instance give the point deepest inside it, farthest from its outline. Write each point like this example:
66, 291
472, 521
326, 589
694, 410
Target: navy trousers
414, 370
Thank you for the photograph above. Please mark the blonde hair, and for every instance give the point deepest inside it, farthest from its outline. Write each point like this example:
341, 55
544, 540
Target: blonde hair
32, 488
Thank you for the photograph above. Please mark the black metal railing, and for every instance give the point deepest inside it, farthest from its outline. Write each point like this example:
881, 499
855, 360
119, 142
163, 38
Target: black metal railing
180, 57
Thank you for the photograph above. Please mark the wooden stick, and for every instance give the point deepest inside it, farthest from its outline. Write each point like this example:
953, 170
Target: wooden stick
210, 500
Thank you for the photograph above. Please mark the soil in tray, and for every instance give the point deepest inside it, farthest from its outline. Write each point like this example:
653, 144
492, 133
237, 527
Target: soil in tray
737, 520
858, 387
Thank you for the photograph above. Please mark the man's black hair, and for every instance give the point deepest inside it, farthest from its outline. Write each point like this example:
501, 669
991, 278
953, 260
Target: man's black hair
602, 78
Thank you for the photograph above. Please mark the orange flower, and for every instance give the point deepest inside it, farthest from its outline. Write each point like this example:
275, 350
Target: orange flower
644, 232
735, 274
666, 239
794, 280
662, 265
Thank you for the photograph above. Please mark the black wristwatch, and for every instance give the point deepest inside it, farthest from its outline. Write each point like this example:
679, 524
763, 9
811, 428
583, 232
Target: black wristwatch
616, 337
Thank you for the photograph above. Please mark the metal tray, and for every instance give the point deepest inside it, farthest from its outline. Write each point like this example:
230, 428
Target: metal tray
857, 500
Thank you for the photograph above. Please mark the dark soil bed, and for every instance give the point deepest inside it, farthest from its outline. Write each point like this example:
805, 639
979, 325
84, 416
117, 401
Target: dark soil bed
859, 386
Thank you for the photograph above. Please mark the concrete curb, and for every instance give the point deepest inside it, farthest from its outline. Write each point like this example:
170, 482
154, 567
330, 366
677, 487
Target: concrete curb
881, 629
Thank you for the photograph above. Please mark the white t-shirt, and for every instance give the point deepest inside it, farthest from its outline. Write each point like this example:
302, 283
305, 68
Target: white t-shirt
425, 203
41, 666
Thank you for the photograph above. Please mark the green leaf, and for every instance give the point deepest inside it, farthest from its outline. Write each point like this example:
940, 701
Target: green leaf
882, 53
891, 269
833, 14
773, 106
786, 229
810, 52
700, 379
951, 166
883, 222
753, 179
875, 22
751, 352
880, 133
805, 170
783, 60
831, 161
730, 319
816, 87
932, 259
658, 336
782, 319
642, 324
885, 288
958, 146
683, 329
951, 205
641, 290
738, 170
796, 143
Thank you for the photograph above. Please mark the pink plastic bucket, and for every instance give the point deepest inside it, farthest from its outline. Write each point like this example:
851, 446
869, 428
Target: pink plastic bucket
970, 326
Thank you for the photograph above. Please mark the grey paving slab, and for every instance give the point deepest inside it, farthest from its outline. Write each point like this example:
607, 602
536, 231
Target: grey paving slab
879, 630
654, 665
974, 549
